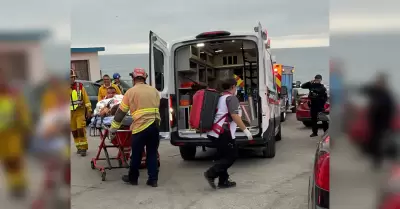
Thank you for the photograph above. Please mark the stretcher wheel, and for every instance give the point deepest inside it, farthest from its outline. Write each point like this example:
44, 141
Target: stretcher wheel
92, 164
103, 176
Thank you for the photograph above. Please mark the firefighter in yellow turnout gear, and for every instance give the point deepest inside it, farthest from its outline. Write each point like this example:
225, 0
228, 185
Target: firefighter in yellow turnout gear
80, 107
15, 125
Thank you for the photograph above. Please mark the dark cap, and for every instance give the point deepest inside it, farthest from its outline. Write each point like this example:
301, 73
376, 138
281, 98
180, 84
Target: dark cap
318, 77
226, 84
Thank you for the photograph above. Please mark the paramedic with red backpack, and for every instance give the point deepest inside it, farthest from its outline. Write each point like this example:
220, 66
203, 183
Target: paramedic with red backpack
227, 118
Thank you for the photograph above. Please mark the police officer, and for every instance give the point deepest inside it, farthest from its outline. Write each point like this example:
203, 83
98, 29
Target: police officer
318, 97
143, 102
381, 112
228, 107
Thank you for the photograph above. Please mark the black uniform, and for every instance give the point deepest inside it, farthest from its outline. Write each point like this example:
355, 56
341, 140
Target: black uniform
381, 111
318, 97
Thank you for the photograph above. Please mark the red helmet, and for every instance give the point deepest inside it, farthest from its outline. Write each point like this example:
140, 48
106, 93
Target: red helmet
138, 72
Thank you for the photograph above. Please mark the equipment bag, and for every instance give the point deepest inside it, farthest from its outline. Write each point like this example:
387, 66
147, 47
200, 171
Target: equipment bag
204, 108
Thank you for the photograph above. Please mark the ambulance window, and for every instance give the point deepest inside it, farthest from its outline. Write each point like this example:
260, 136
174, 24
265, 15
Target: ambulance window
159, 69
268, 69
272, 80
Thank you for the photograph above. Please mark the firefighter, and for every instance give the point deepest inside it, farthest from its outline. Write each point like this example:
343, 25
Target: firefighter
80, 107
15, 125
143, 102
103, 88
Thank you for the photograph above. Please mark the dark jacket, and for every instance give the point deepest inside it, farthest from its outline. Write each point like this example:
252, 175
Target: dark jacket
382, 106
318, 95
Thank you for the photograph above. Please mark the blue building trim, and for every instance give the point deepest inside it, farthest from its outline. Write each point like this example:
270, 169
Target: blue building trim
88, 50
21, 35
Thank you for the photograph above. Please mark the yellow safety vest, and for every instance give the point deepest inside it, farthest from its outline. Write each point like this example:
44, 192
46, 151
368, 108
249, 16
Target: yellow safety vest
239, 81
7, 112
139, 113
76, 97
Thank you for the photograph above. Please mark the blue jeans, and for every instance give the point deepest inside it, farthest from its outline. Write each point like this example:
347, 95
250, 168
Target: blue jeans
150, 139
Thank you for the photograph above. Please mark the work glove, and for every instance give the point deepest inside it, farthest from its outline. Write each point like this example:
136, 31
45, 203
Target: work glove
248, 134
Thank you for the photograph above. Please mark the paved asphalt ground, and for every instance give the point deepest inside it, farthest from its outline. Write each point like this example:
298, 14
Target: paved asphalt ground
278, 183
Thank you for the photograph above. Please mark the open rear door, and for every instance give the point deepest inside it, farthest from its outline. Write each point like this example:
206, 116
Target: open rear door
159, 74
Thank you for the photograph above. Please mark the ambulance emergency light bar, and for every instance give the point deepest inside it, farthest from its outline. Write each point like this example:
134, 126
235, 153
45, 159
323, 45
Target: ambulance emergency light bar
213, 34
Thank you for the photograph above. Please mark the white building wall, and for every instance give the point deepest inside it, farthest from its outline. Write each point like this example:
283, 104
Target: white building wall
94, 64
36, 67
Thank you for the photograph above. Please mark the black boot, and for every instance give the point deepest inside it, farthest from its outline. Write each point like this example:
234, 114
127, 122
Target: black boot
226, 184
313, 135
18, 193
125, 178
78, 151
152, 183
83, 153
210, 180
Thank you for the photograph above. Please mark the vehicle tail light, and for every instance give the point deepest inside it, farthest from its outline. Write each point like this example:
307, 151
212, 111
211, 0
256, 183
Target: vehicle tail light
395, 173
327, 140
391, 202
171, 111
321, 171
327, 106
304, 103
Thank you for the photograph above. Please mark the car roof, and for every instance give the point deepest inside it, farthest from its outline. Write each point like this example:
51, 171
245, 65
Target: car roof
85, 81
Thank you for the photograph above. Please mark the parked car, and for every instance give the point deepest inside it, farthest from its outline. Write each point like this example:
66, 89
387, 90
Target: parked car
357, 125
389, 198
297, 93
318, 187
303, 110
126, 84
92, 89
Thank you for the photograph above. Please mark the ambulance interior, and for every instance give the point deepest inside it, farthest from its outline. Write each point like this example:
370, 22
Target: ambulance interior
210, 62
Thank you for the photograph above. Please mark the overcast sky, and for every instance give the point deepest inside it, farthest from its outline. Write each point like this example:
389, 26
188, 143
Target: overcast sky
122, 26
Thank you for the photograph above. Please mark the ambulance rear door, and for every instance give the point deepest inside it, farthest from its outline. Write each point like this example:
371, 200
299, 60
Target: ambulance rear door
267, 91
159, 77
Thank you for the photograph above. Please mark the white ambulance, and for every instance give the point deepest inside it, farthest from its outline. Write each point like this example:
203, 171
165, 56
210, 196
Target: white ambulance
208, 58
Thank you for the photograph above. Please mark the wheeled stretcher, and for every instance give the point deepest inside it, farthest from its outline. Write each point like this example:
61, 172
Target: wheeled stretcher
122, 141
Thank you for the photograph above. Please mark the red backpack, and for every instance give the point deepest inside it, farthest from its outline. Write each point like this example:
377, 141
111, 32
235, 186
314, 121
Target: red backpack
204, 109
204, 106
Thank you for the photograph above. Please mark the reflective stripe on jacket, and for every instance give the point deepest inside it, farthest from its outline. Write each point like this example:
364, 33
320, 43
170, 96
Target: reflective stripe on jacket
239, 81
142, 101
76, 96
146, 111
7, 112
